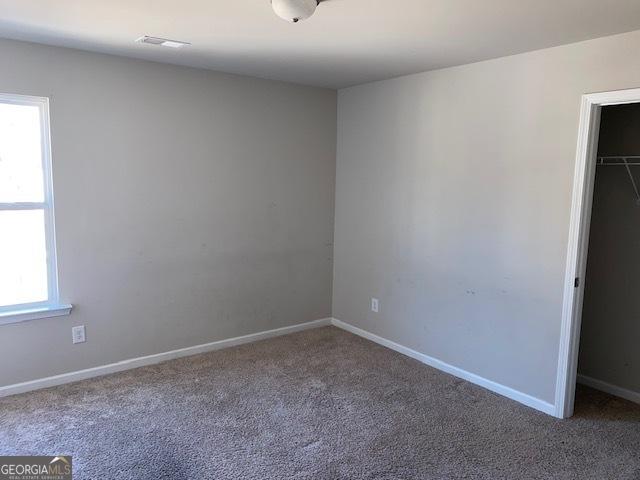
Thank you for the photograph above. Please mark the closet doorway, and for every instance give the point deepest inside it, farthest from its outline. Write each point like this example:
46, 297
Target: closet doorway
601, 308
609, 350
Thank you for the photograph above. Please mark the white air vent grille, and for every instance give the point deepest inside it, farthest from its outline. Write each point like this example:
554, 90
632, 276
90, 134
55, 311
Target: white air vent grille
164, 42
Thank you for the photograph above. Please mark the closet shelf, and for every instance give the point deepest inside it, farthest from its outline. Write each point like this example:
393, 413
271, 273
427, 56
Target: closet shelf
631, 160
628, 161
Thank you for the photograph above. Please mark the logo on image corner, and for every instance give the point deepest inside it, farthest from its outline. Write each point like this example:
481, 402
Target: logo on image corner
57, 467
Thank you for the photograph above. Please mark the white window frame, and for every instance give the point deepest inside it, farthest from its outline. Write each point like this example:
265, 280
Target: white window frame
52, 306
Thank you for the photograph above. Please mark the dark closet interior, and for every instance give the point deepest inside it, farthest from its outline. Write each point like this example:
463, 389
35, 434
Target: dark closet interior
610, 338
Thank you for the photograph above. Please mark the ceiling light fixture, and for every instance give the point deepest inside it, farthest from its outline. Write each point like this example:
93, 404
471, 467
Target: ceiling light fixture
294, 10
164, 42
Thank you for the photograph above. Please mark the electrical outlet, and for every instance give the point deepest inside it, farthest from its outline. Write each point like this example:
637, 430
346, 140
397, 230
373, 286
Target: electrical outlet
375, 306
78, 334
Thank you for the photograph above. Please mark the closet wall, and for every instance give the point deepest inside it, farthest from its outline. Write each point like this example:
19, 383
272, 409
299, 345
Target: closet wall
609, 342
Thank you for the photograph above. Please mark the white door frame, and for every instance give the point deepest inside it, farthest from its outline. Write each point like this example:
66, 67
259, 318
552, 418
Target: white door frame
583, 180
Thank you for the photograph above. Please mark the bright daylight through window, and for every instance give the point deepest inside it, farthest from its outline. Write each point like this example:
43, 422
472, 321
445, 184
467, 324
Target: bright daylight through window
28, 277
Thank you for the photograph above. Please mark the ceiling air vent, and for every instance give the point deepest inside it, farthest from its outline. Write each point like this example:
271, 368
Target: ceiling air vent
164, 42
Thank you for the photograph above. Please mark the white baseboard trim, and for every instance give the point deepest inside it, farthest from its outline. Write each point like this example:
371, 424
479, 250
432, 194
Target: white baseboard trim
508, 392
610, 389
157, 358
254, 337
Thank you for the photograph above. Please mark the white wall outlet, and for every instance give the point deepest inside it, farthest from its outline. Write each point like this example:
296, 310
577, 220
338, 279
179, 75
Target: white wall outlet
375, 306
78, 335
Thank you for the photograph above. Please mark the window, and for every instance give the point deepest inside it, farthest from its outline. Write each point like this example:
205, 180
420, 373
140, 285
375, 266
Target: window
28, 275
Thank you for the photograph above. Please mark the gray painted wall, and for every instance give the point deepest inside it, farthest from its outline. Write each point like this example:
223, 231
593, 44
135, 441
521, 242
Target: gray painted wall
453, 199
191, 206
609, 341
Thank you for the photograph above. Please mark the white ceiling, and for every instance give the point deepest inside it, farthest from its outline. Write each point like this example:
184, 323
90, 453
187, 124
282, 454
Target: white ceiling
346, 42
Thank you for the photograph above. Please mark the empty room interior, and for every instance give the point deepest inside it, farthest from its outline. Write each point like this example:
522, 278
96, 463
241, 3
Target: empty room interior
336, 239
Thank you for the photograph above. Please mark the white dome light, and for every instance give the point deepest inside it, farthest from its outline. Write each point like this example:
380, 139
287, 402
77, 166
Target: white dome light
294, 10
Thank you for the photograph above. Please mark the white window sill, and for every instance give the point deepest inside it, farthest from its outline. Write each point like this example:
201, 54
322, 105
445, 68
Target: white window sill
15, 316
